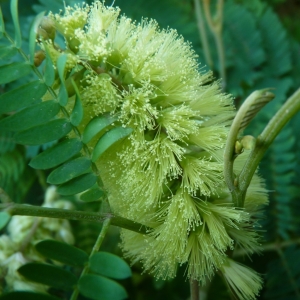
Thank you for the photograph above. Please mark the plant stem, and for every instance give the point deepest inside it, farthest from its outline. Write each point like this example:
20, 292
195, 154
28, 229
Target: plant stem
216, 26
202, 33
37, 211
95, 249
264, 140
194, 288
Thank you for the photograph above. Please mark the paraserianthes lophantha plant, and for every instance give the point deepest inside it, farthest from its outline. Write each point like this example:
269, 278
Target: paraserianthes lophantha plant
168, 171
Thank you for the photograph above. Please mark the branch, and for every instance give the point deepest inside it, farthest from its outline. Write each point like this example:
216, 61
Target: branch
202, 33
263, 142
37, 211
216, 26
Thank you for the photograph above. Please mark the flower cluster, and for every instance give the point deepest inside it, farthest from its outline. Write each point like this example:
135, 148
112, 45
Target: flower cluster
168, 173
23, 232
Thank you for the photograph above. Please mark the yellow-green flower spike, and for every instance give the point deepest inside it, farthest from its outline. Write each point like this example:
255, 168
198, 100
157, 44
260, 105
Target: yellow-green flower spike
168, 173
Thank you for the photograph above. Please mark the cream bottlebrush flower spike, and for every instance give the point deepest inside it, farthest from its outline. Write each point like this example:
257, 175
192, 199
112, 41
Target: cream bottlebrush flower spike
168, 173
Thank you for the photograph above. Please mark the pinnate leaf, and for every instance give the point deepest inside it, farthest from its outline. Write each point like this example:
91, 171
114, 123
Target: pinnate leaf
22, 96
69, 170
108, 139
92, 195
57, 154
77, 185
100, 288
62, 252
31, 116
109, 265
49, 275
44, 133
97, 125
14, 71
4, 218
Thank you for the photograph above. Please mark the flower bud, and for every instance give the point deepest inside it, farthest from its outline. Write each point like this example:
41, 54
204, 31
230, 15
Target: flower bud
39, 57
47, 29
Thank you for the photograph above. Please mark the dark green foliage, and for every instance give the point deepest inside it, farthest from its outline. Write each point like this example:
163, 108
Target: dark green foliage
62, 252
286, 270
49, 275
57, 154
110, 265
69, 170
100, 288
27, 296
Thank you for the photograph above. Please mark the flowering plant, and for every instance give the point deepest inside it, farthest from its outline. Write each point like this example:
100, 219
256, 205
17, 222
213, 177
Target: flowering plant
144, 128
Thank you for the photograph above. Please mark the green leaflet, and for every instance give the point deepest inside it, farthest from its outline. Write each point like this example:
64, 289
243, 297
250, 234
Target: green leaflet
62, 94
7, 52
108, 139
2, 25
14, 71
92, 195
27, 296
49, 74
77, 113
62, 252
22, 96
31, 116
77, 185
109, 265
44, 133
49, 275
69, 170
4, 218
32, 35
57, 154
100, 288
15, 17
96, 125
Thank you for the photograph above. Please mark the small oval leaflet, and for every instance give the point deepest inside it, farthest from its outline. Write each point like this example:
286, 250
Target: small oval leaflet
100, 288
51, 275
96, 125
109, 265
44, 133
14, 71
7, 52
62, 252
27, 296
4, 218
49, 74
62, 94
108, 139
69, 170
31, 116
94, 194
77, 185
22, 96
77, 112
57, 154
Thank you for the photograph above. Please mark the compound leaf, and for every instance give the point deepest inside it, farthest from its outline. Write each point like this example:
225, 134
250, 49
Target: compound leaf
44, 133
57, 154
69, 170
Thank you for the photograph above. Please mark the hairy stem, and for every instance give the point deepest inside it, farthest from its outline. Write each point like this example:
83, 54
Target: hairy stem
95, 249
194, 288
202, 33
37, 211
263, 142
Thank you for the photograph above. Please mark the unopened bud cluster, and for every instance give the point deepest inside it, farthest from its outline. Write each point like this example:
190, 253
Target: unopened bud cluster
168, 174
